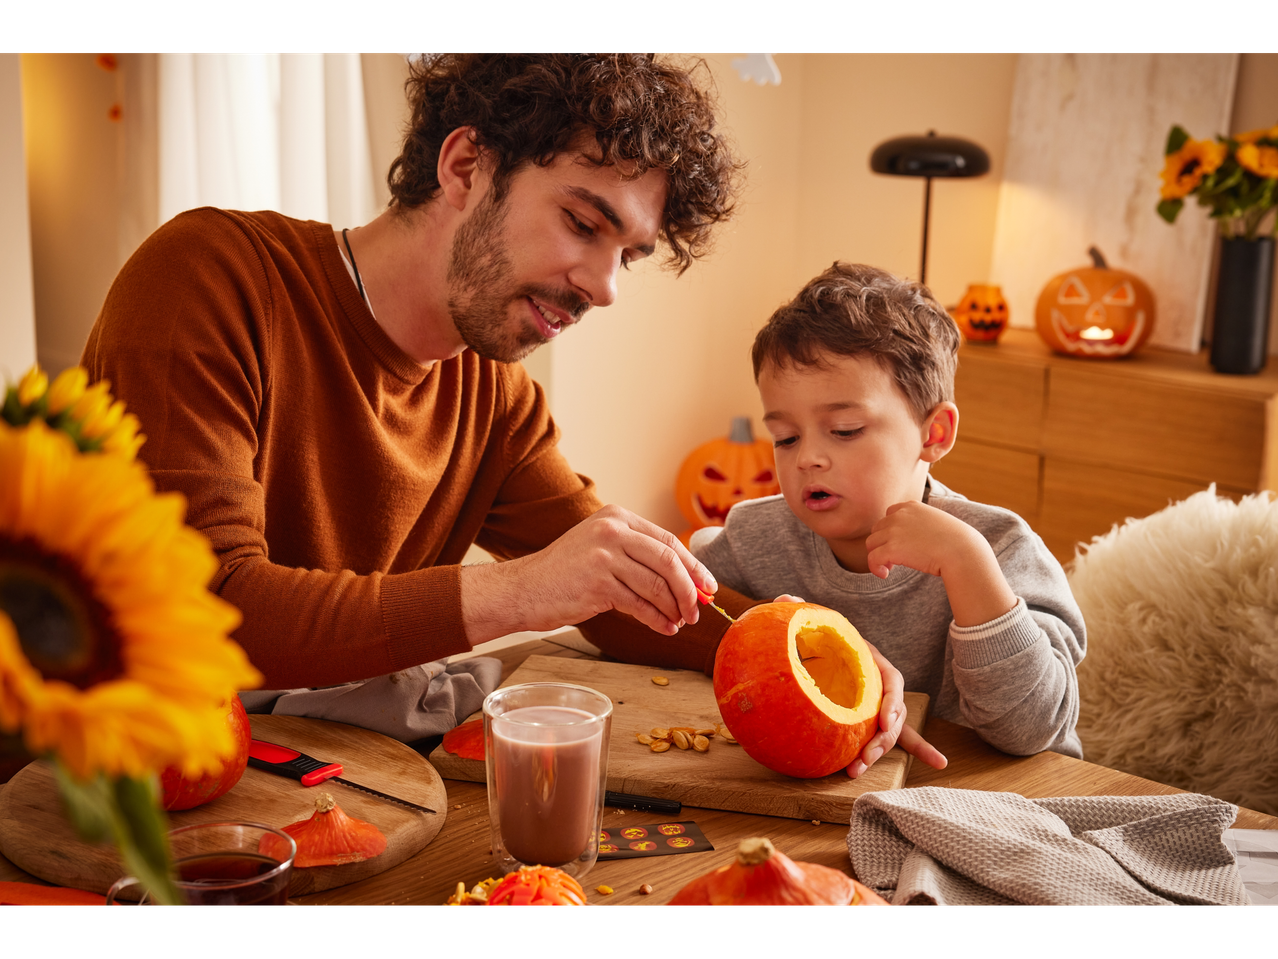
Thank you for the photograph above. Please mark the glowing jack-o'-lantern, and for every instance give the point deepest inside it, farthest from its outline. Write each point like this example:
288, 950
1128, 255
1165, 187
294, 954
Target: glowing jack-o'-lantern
719, 474
981, 314
1095, 312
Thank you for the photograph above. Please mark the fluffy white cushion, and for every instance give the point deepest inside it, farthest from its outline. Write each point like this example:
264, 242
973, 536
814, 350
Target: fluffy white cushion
1180, 680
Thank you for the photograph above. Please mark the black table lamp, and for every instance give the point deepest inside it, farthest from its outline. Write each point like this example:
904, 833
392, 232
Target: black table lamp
929, 156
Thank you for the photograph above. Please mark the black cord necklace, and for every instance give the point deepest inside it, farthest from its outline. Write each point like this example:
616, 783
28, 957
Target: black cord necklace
358, 282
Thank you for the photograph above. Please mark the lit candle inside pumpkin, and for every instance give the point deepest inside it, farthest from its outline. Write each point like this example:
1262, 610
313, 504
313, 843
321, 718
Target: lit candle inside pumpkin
1096, 333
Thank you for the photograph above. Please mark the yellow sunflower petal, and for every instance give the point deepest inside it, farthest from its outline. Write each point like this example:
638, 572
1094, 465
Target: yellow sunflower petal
32, 386
1260, 160
68, 386
150, 572
1251, 136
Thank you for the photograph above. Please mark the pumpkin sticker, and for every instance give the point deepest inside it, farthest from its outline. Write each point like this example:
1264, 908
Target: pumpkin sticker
1095, 312
680, 838
643, 845
670, 828
679, 842
634, 832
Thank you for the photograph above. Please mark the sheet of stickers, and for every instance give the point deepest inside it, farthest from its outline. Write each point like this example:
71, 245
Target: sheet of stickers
652, 839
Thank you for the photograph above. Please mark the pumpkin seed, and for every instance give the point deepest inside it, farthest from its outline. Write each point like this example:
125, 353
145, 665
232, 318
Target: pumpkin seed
700, 743
681, 739
660, 746
661, 680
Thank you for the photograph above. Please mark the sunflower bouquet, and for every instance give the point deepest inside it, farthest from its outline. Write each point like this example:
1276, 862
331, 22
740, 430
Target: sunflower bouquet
115, 658
1235, 177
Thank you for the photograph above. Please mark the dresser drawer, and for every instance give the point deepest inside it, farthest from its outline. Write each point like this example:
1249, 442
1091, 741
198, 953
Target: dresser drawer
999, 401
992, 474
1172, 430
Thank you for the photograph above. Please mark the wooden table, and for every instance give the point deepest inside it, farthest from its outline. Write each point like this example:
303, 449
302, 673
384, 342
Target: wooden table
460, 853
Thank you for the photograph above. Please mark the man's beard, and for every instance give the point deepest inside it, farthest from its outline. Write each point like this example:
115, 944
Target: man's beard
480, 294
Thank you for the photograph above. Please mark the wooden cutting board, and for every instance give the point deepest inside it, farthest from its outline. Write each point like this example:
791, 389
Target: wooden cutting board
35, 834
724, 777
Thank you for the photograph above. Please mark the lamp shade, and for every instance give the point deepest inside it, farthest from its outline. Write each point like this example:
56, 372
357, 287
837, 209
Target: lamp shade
929, 156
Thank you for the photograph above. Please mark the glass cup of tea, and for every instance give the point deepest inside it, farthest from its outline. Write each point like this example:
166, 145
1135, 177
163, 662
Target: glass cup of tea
221, 864
546, 751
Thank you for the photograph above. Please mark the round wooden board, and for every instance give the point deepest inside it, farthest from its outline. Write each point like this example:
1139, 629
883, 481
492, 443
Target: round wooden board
36, 836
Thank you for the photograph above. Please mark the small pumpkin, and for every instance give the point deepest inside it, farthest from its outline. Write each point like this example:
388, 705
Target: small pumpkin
721, 473
798, 688
981, 314
762, 875
466, 740
537, 886
17, 893
186, 792
328, 838
1095, 312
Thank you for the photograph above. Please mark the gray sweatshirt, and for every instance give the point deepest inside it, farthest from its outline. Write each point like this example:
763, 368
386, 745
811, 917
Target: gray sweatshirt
1011, 679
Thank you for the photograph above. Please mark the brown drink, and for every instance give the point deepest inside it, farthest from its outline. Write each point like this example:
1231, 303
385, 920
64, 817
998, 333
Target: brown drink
232, 879
546, 769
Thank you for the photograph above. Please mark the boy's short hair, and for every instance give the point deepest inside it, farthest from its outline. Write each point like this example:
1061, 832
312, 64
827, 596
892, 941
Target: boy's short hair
527, 108
852, 309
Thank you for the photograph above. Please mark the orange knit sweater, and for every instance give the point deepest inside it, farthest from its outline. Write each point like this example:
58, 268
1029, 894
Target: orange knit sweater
339, 482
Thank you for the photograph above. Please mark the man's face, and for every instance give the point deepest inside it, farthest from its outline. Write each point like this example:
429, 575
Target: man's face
847, 447
524, 267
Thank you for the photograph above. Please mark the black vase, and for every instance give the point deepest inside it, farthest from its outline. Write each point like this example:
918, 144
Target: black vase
1240, 335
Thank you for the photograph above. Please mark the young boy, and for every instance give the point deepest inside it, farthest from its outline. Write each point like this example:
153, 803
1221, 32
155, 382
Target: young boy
857, 380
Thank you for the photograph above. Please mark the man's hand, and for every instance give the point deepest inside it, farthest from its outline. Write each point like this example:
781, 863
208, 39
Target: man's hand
931, 540
614, 559
892, 728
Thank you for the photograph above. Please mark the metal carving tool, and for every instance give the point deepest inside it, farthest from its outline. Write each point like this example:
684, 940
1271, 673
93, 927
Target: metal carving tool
707, 599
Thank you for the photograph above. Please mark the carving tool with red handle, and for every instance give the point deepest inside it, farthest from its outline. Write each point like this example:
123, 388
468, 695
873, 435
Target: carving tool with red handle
286, 761
707, 599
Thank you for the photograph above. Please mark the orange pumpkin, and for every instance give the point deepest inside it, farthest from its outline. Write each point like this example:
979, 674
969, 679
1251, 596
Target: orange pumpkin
798, 688
537, 886
1095, 312
719, 474
981, 314
762, 875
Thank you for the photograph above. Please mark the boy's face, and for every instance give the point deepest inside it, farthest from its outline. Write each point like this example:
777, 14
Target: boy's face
847, 447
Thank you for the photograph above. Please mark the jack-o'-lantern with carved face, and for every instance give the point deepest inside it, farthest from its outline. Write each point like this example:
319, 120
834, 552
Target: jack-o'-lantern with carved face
981, 314
1095, 312
719, 474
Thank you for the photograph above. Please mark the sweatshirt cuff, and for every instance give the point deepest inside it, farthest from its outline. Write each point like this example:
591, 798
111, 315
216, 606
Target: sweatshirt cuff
999, 639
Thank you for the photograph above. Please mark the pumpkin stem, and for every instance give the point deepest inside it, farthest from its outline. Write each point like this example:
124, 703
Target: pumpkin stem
325, 802
740, 431
752, 852
1098, 260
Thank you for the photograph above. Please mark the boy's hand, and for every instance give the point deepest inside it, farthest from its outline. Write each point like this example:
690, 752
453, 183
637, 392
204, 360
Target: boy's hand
892, 728
932, 541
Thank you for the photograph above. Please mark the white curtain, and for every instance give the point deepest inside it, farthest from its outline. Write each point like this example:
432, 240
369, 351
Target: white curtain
283, 132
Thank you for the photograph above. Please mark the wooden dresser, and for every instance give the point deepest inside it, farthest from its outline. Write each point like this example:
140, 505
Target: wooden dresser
1076, 446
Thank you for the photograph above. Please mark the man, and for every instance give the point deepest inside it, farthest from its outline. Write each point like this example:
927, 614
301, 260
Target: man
343, 410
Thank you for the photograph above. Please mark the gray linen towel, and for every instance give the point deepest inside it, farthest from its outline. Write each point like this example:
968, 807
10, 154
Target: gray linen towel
934, 845
408, 705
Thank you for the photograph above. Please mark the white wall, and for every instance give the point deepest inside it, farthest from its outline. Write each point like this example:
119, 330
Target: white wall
17, 298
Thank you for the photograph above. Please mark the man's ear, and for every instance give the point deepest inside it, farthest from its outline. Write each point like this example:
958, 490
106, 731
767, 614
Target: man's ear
458, 164
940, 430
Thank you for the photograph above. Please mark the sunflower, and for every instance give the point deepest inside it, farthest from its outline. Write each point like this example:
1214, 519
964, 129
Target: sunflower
1260, 160
114, 655
85, 413
1251, 136
1186, 167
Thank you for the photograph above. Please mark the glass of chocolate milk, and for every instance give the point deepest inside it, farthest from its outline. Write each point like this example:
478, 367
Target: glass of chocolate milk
546, 748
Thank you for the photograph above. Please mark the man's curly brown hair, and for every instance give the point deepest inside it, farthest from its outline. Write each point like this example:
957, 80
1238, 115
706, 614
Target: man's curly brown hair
531, 107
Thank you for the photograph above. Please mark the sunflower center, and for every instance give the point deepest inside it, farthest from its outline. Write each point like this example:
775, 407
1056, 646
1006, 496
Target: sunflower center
65, 632
1191, 167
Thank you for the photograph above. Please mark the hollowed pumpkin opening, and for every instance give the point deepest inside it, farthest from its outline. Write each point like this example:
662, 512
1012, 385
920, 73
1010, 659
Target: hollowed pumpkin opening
825, 660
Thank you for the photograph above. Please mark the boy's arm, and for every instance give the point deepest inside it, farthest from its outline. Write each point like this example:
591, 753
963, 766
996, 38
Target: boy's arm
716, 548
1017, 634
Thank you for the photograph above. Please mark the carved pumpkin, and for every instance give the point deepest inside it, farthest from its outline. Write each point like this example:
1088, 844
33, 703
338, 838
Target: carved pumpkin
798, 688
719, 474
1095, 312
981, 314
